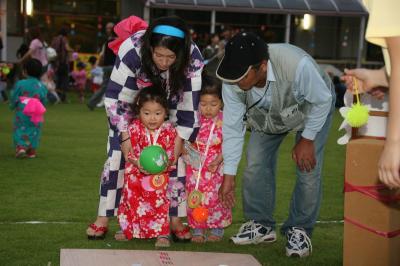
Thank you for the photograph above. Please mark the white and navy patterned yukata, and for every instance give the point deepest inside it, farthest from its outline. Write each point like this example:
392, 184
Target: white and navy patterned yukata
126, 79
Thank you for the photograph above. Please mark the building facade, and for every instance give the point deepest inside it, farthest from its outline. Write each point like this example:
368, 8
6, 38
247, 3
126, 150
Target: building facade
333, 33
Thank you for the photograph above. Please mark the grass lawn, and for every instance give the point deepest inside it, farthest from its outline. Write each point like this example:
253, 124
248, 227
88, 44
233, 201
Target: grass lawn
60, 187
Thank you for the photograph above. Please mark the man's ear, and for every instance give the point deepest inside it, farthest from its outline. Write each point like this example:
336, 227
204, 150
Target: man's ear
264, 65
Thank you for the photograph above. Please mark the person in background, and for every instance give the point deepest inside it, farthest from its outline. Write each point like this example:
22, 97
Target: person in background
48, 81
340, 90
96, 74
61, 45
213, 54
106, 61
28, 126
37, 49
80, 77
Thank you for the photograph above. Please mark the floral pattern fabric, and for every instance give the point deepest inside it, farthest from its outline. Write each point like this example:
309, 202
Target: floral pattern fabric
218, 216
143, 210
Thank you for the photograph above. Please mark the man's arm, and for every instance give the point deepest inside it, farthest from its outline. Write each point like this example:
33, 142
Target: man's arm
233, 131
310, 87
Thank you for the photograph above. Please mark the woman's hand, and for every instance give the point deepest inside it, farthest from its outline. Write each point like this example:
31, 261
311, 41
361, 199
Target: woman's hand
178, 148
126, 148
389, 165
367, 79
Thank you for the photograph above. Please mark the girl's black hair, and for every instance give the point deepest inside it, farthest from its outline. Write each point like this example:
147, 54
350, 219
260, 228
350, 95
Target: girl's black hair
33, 68
181, 48
151, 93
210, 85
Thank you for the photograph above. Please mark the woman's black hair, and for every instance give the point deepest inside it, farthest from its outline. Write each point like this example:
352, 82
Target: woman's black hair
180, 46
33, 68
151, 93
210, 85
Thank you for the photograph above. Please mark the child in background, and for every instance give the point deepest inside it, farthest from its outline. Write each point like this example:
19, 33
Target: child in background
48, 81
143, 210
27, 129
80, 79
209, 145
96, 74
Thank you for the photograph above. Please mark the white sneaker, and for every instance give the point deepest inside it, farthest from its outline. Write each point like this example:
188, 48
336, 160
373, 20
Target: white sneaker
252, 232
298, 243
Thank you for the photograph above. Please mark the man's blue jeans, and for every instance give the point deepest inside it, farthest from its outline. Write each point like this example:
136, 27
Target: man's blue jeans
259, 181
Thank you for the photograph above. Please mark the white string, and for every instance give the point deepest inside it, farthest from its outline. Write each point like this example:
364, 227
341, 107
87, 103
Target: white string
205, 155
155, 135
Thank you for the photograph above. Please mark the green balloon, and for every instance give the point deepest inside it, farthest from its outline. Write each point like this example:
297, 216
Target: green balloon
153, 159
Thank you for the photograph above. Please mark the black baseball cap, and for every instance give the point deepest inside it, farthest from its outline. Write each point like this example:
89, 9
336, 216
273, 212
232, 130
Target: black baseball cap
242, 51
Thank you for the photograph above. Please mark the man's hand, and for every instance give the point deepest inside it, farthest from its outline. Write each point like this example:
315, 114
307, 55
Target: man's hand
226, 192
304, 154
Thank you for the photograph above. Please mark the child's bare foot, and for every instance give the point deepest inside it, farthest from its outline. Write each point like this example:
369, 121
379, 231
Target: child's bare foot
120, 236
216, 235
162, 242
199, 236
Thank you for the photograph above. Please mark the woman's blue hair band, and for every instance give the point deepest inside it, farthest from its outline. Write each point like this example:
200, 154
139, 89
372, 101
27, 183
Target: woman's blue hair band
169, 30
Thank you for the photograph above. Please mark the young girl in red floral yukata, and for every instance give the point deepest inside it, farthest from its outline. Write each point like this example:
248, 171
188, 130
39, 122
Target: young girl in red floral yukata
205, 178
143, 210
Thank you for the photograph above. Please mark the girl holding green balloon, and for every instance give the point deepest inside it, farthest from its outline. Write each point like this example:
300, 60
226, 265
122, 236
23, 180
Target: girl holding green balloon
144, 206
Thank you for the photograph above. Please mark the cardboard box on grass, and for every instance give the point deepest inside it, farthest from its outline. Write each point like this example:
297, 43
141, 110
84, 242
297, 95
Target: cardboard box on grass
365, 215
104, 257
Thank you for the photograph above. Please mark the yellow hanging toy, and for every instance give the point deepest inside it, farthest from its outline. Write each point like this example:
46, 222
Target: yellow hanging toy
358, 114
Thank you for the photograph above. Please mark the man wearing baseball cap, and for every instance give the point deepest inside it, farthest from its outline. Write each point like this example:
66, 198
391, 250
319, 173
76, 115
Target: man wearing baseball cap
274, 89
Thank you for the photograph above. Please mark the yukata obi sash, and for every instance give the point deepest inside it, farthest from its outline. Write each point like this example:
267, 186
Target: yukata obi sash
34, 109
125, 29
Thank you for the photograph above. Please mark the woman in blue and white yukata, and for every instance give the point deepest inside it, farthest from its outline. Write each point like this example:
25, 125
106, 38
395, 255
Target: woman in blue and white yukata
161, 54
